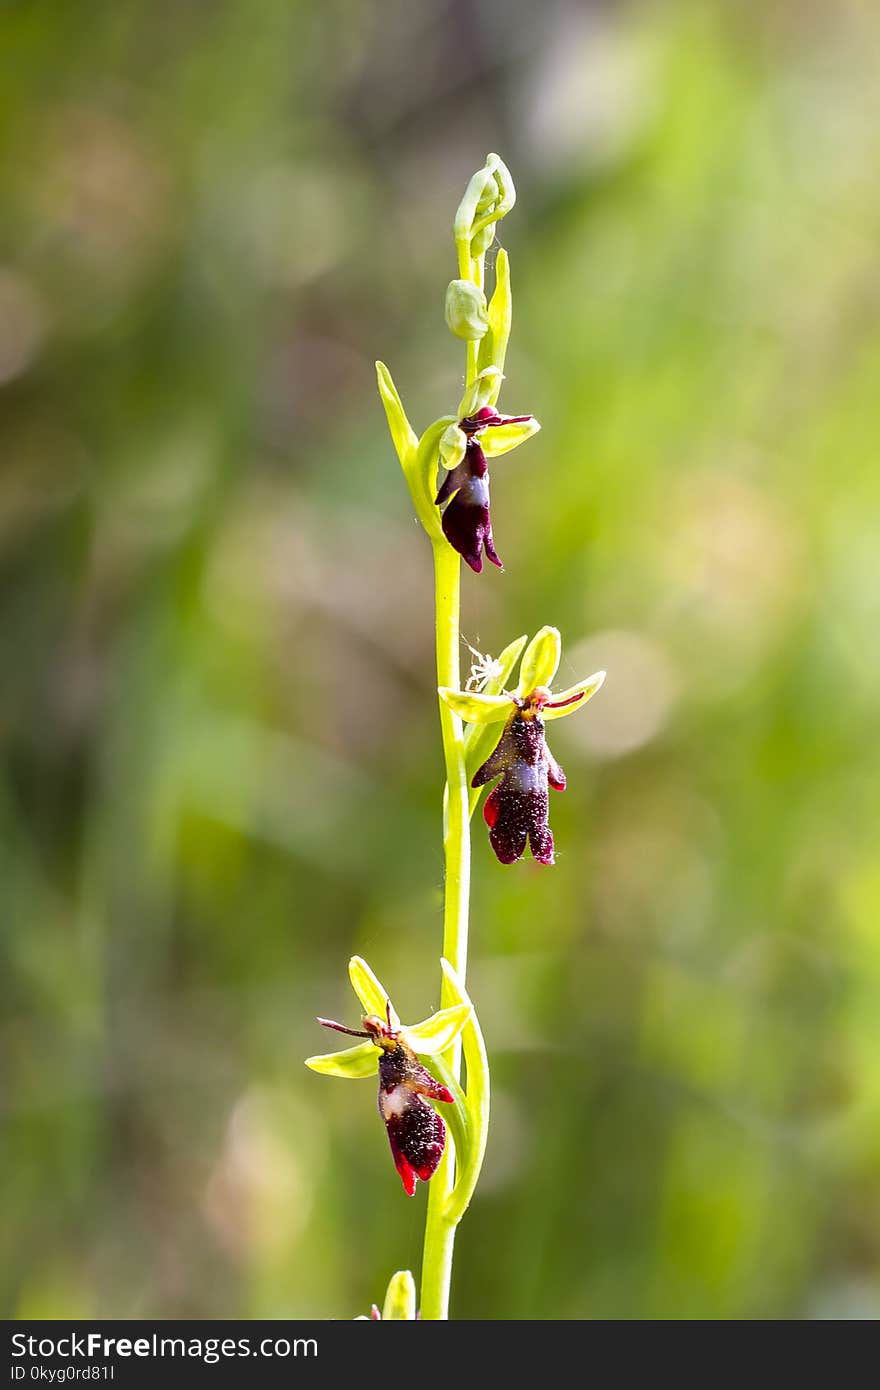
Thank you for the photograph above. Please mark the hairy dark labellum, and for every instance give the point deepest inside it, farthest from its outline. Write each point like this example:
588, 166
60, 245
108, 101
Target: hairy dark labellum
467, 522
416, 1133
517, 809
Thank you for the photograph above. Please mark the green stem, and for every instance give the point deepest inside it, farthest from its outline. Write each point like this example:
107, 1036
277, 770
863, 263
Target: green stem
440, 1228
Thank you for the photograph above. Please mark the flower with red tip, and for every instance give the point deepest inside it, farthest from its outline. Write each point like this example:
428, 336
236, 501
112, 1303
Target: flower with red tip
517, 809
416, 1132
465, 448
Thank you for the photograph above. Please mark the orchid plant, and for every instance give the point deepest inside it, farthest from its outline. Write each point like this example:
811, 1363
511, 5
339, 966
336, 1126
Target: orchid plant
490, 733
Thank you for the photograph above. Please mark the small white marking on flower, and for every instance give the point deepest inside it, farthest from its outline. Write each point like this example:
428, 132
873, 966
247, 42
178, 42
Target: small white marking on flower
483, 670
394, 1102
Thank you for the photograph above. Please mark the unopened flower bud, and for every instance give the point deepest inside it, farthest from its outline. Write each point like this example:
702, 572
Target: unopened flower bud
466, 310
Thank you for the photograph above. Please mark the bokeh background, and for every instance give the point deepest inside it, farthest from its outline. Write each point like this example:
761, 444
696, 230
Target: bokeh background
221, 767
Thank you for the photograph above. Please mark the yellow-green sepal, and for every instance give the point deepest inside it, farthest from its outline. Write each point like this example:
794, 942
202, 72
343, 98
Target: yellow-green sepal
352, 1063
584, 689
369, 990
500, 439
476, 708
540, 660
437, 1033
400, 1298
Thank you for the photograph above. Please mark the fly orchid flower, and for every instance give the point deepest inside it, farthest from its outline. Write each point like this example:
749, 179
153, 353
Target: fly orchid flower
481, 433
416, 1133
517, 809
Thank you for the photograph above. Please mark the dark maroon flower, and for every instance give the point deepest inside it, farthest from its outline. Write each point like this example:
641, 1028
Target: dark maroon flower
467, 523
416, 1133
518, 807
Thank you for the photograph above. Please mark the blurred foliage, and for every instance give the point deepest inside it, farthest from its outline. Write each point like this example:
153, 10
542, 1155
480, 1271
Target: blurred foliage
221, 764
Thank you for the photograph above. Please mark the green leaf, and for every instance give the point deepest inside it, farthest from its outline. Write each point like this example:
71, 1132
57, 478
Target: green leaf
475, 708
400, 1298
437, 1033
370, 992
402, 433
540, 661
500, 439
493, 348
584, 689
352, 1063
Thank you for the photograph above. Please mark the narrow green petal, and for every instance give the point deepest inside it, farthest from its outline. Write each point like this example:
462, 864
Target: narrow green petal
474, 708
352, 1063
368, 989
483, 391
493, 347
437, 1033
400, 1299
402, 433
540, 661
500, 439
584, 689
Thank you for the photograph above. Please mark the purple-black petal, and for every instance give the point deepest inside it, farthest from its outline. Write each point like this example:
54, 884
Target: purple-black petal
517, 810
467, 522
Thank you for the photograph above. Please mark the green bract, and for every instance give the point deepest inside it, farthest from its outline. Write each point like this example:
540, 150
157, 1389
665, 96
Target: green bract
418, 457
493, 347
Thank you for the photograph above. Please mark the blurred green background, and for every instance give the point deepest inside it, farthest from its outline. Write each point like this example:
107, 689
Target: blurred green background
221, 766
